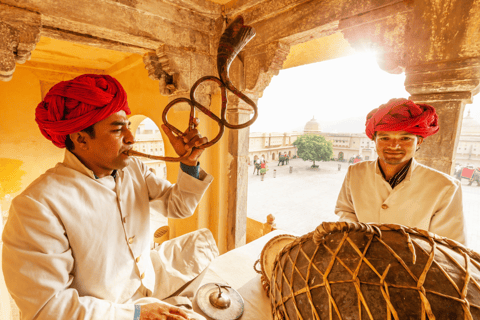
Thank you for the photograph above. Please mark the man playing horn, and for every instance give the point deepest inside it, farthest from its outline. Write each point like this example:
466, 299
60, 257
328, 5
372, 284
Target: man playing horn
77, 242
395, 188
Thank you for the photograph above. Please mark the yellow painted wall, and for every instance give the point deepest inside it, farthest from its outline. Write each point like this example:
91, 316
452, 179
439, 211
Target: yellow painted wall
24, 152
316, 50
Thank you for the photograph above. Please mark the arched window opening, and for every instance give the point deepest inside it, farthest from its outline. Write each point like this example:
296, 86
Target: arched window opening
148, 139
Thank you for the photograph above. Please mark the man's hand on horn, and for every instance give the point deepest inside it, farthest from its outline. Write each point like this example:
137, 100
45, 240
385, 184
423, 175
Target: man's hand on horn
191, 139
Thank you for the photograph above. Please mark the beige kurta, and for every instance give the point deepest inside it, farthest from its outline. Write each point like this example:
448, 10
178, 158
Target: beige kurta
76, 247
426, 199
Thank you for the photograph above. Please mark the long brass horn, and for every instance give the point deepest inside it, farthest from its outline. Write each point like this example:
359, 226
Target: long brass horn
233, 39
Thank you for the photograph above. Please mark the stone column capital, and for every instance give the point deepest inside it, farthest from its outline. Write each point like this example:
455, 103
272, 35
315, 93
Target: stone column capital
451, 80
178, 69
19, 33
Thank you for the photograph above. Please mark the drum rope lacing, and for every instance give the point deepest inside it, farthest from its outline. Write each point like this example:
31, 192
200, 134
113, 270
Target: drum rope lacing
374, 233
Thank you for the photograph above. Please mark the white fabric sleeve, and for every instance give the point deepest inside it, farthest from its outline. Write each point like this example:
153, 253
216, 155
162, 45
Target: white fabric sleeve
449, 220
37, 262
344, 208
176, 200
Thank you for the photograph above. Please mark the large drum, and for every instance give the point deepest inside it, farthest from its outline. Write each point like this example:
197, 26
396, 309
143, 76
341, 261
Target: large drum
366, 271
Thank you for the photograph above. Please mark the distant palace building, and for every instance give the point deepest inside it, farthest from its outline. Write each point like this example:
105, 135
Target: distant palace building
468, 150
345, 145
150, 141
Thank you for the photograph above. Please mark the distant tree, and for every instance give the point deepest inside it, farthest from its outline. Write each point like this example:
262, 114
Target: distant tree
313, 148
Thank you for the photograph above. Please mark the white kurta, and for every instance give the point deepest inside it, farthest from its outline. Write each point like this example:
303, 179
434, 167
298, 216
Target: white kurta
76, 247
426, 199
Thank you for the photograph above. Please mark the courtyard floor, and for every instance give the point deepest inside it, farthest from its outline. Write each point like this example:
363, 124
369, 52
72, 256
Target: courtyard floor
303, 199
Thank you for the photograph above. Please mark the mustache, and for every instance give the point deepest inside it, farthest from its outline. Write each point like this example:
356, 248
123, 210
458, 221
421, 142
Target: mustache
394, 151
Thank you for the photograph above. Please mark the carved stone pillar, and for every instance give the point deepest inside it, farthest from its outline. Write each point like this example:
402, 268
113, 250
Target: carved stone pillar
19, 33
447, 86
256, 73
238, 177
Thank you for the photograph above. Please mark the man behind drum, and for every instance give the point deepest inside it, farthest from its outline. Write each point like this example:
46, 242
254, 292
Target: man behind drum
395, 188
76, 243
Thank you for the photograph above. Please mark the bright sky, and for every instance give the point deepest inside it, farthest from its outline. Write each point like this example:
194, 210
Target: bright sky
333, 91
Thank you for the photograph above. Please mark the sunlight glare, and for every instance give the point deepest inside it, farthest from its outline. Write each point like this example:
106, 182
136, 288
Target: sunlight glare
332, 91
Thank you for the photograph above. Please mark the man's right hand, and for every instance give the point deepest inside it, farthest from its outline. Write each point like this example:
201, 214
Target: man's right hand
160, 311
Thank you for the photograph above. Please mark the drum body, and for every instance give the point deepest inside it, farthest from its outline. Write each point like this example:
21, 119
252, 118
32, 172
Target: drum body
359, 271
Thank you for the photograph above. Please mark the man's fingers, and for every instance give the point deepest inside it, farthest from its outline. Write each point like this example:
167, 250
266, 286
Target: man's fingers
189, 134
196, 153
203, 140
177, 314
195, 142
175, 317
168, 132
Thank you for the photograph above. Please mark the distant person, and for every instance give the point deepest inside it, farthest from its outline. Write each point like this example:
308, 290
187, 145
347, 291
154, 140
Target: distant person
263, 168
256, 166
287, 157
396, 188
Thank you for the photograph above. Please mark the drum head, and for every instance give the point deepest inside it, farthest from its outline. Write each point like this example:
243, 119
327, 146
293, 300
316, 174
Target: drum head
270, 251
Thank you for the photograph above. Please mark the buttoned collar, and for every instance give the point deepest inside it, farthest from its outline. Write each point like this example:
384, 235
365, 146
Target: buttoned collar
408, 177
70, 160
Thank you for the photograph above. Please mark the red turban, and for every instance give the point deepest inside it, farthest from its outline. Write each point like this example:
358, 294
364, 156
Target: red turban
402, 115
71, 106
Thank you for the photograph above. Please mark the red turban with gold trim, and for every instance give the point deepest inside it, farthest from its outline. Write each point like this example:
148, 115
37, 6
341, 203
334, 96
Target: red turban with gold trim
402, 115
71, 106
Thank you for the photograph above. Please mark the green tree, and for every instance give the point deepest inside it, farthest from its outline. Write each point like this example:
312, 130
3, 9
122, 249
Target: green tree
313, 148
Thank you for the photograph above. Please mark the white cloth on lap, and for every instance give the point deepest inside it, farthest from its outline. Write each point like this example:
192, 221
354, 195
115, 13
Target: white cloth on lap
179, 260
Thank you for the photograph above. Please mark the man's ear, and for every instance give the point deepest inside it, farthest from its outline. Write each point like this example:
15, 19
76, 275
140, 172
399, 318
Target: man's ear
79, 140
420, 140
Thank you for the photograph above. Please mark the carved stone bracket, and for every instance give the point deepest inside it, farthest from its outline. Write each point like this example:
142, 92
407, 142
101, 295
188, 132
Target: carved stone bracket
158, 69
19, 33
262, 65
178, 69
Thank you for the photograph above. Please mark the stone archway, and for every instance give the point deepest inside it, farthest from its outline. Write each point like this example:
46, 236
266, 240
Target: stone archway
149, 140
273, 156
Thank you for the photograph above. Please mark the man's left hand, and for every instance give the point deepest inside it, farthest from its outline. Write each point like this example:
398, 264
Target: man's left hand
191, 139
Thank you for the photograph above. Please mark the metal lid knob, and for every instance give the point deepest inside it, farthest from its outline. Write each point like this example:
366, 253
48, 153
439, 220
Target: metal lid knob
220, 300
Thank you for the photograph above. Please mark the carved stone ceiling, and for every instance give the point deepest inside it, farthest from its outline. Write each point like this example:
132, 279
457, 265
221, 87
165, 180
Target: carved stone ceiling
221, 1
64, 53
58, 55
